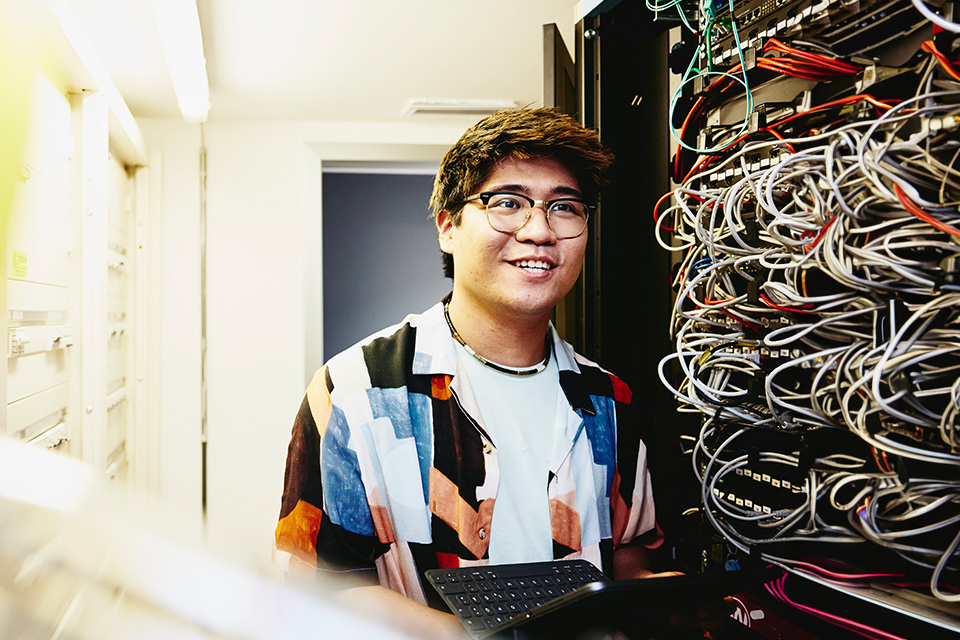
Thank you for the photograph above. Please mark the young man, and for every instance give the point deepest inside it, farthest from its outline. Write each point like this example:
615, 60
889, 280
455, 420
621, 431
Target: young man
471, 433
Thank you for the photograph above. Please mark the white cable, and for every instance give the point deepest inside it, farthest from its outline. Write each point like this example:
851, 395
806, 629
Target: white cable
940, 21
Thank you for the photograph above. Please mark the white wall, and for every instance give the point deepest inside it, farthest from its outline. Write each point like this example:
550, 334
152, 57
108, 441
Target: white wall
174, 216
260, 177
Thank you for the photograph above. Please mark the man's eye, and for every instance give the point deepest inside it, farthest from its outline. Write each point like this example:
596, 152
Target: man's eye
506, 203
567, 207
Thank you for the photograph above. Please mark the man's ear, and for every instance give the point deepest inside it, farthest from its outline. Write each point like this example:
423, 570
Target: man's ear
445, 229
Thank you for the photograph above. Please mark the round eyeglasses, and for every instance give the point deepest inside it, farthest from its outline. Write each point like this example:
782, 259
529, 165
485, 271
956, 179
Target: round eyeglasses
508, 212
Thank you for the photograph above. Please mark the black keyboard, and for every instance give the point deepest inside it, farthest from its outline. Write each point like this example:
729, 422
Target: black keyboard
486, 598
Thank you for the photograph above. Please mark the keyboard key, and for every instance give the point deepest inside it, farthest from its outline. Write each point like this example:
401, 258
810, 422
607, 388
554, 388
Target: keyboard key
522, 570
450, 588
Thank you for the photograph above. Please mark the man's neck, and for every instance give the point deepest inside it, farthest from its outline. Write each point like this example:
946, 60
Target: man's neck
502, 337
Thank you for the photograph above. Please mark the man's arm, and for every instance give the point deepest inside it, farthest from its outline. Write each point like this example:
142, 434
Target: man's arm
633, 562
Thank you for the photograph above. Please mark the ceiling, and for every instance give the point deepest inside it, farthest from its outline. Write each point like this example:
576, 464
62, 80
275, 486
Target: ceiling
356, 60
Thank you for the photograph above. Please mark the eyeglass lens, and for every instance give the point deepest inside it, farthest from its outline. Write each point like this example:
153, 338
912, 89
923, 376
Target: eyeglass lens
509, 212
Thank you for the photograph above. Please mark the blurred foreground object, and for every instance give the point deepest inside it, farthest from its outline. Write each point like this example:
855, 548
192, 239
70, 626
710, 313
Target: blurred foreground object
71, 569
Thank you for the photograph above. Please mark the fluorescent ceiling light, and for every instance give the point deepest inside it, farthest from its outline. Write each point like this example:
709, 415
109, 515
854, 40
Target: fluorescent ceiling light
448, 106
179, 24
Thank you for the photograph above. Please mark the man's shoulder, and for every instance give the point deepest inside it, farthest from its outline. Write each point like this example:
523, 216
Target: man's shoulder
383, 358
393, 333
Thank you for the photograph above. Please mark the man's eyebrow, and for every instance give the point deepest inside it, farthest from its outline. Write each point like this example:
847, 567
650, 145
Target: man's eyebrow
568, 191
519, 188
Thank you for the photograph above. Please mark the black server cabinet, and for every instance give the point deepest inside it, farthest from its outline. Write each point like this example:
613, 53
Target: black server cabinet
624, 302
622, 69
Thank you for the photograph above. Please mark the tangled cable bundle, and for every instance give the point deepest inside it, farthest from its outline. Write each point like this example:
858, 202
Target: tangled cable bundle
818, 301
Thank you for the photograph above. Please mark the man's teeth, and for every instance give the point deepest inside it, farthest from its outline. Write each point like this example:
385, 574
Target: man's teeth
534, 264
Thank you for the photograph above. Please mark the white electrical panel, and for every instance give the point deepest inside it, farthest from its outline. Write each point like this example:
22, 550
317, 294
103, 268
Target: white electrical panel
119, 297
39, 242
70, 286
68, 250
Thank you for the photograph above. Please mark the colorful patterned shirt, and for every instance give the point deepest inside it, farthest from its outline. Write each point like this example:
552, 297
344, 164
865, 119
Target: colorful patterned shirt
389, 471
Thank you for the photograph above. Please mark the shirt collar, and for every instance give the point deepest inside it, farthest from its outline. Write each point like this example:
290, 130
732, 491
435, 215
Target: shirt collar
436, 354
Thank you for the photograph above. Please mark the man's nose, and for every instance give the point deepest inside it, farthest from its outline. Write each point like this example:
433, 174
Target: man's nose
537, 227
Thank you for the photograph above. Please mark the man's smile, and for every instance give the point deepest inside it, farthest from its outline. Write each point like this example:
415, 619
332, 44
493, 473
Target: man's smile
537, 265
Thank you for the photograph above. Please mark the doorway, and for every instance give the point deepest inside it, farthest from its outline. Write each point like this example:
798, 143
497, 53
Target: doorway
381, 260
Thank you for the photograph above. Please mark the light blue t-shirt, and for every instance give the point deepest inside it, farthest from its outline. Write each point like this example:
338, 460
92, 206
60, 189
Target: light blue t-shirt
519, 414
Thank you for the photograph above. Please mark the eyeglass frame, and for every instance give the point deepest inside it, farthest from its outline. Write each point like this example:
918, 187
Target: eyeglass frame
484, 198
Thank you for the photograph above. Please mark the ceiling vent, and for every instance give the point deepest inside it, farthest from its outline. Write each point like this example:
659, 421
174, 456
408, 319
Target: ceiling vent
452, 107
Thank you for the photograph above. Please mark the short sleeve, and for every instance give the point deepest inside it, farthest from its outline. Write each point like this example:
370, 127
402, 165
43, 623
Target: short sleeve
307, 543
634, 512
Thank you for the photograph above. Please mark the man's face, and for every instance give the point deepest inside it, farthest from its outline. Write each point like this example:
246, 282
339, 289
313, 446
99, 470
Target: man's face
525, 273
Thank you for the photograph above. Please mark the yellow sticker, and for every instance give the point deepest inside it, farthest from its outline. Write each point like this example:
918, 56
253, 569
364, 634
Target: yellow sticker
19, 265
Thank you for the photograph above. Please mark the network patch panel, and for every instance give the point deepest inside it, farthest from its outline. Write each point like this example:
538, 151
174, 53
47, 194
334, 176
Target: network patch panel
815, 220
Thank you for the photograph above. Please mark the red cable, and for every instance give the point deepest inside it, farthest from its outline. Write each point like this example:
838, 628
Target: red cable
860, 97
815, 58
930, 47
823, 230
656, 208
803, 309
911, 207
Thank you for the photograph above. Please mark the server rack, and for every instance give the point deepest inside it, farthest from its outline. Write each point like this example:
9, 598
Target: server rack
754, 346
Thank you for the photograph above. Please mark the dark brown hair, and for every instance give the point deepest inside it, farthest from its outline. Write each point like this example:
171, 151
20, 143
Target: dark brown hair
523, 134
